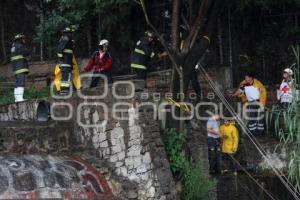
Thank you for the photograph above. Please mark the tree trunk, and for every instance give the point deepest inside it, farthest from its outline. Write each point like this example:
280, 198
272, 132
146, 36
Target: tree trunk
230, 47
99, 27
2, 27
190, 60
175, 23
42, 37
220, 40
89, 38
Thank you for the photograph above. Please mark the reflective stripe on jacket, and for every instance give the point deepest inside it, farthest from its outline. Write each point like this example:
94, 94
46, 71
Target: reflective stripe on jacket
19, 54
141, 54
65, 50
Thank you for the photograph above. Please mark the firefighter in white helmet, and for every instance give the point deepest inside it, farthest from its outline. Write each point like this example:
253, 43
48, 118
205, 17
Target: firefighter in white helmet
287, 88
101, 63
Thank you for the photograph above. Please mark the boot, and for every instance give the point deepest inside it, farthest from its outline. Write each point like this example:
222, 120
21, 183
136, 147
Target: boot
19, 92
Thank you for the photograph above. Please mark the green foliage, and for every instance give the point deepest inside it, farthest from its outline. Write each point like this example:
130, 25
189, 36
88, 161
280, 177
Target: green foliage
296, 65
113, 18
173, 145
196, 184
34, 93
7, 92
287, 125
52, 21
294, 169
267, 5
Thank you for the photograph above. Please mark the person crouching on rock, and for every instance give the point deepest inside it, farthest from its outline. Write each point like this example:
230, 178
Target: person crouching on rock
101, 63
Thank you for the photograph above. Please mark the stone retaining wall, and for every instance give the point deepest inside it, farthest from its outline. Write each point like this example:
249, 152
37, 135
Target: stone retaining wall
132, 145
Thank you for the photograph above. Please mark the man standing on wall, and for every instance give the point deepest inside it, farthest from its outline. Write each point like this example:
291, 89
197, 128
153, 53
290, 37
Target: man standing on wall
65, 56
141, 56
19, 59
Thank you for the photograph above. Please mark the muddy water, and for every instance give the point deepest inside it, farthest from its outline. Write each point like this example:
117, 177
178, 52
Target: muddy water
245, 189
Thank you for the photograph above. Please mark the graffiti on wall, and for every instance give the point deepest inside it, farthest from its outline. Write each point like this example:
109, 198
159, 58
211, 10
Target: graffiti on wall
36, 177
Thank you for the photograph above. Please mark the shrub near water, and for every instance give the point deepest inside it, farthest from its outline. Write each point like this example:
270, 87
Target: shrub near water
196, 184
287, 124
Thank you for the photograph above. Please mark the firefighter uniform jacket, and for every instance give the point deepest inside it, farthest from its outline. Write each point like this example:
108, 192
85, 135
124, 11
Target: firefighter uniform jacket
19, 54
230, 138
65, 51
142, 54
99, 62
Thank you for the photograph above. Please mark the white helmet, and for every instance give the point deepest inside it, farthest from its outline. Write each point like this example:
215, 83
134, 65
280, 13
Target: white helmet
103, 42
289, 71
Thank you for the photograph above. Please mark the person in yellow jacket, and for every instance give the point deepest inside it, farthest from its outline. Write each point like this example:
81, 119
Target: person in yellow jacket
230, 141
254, 93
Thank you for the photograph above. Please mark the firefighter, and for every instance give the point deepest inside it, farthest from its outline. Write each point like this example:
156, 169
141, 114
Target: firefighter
101, 62
19, 59
65, 56
141, 56
254, 93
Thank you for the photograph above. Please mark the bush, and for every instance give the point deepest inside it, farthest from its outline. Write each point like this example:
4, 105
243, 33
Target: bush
7, 92
34, 93
196, 184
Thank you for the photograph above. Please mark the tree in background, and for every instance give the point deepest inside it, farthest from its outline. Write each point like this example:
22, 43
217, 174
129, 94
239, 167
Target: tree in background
199, 18
95, 18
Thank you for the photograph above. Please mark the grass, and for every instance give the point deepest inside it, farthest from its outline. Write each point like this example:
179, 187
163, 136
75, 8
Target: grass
287, 125
31, 93
196, 183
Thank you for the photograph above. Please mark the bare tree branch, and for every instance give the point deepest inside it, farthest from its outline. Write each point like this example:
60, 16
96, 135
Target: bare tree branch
203, 10
161, 39
191, 13
136, 1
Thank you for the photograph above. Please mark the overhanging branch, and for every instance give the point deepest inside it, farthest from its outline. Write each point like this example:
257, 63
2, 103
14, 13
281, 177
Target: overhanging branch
161, 39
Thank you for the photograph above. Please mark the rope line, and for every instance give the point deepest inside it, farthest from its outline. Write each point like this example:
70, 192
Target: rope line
253, 179
258, 146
